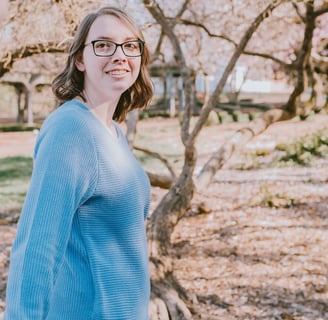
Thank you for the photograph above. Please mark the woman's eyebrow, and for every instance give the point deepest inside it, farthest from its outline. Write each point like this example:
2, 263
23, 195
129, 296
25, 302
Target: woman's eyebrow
112, 38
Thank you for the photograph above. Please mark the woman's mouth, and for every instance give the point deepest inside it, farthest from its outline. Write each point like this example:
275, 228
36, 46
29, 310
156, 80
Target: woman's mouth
117, 72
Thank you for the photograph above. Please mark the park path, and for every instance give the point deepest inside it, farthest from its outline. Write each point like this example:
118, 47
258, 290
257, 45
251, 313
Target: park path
17, 143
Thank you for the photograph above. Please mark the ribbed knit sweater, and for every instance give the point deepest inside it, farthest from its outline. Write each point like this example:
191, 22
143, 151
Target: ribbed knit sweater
80, 251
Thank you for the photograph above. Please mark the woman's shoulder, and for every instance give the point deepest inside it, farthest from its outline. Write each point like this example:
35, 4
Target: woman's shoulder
68, 110
69, 120
67, 114
68, 124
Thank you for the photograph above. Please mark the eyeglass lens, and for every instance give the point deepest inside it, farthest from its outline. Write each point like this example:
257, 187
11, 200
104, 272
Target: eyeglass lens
108, 48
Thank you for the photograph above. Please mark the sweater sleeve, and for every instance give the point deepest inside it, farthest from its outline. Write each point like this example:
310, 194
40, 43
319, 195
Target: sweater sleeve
64, 176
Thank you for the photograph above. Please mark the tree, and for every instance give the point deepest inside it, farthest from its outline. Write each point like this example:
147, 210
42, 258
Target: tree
177, 200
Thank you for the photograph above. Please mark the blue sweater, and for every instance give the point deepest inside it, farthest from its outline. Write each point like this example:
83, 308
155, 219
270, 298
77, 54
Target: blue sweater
80, 251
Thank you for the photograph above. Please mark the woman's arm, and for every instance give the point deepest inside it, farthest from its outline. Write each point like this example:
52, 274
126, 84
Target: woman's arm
61, 181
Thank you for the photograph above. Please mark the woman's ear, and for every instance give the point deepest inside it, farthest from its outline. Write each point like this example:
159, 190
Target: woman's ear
79, 63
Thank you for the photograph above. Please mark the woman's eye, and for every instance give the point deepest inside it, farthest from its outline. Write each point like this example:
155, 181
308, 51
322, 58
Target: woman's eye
104, 45
131, 46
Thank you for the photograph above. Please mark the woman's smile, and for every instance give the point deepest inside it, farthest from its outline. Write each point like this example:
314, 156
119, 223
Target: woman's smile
118, 72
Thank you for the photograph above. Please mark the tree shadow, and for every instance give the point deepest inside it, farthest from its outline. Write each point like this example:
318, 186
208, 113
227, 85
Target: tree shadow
271, 300
274, 303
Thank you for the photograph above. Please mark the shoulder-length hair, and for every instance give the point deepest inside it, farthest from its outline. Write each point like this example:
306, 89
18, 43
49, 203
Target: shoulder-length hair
69, 83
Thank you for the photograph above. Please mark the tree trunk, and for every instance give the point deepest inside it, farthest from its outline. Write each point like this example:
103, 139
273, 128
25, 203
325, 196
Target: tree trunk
169, 299
302, 60
20, 90
131, 126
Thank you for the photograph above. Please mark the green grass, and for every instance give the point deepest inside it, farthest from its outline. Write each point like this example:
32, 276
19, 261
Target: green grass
16, 127
304, 150
15, 174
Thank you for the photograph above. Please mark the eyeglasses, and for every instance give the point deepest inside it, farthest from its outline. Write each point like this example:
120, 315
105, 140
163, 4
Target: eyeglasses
106, 48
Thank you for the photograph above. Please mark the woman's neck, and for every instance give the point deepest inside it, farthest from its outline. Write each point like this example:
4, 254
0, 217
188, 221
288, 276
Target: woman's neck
104, 111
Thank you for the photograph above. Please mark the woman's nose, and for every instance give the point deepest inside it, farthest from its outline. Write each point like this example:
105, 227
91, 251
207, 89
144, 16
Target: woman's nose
119, 54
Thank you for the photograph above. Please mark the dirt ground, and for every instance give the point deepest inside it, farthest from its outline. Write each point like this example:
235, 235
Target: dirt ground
245, 259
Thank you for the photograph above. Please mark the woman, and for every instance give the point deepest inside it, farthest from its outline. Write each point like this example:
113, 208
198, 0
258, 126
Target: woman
80, 250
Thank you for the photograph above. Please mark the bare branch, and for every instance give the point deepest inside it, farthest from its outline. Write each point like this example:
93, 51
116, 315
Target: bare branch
297, 9
157, 53
159, 157
213, 35
7, 61
268, 56
321, 10
183, 9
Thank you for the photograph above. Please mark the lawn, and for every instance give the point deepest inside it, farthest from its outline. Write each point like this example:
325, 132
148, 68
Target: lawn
15, 173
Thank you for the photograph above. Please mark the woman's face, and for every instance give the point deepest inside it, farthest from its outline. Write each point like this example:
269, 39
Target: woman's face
106, 78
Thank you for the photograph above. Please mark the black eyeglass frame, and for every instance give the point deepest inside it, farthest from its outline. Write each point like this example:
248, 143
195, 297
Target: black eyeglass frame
139, 41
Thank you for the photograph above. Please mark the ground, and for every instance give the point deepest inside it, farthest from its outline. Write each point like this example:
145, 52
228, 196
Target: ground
261, 252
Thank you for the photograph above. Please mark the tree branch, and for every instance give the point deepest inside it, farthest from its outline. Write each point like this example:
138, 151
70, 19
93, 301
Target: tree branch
321, 10
268, 56
159, 157
298, 12
7, 61
210, 34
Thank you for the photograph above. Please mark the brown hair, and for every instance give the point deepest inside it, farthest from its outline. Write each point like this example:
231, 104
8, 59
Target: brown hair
70, 82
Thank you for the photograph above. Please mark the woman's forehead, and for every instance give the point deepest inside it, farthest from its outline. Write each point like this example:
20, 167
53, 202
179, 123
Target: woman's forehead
109, 26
